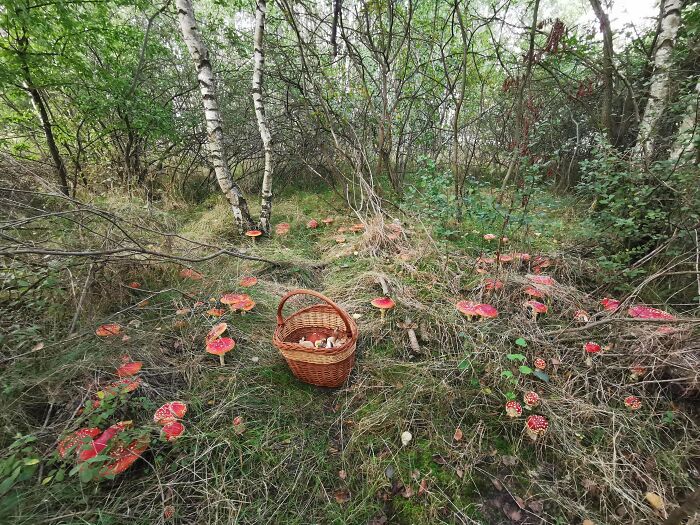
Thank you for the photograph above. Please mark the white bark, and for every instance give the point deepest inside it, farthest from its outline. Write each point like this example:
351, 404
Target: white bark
258, 66
660, 80
685, 145
207, 86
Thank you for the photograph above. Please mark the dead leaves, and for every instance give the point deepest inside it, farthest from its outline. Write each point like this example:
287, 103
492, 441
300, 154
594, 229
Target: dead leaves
342, 496
656, 501
458, 435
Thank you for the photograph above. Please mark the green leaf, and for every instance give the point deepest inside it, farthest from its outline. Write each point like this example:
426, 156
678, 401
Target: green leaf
46, 480
521, 342
464, 364
510, 396
60, 475
507, 374
541, 375
31, 461
516, 357
6, 485
86, 475
525, 369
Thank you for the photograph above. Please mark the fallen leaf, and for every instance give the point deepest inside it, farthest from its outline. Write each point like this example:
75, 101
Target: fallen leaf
509, 461
342, 474
460, 473
37, 347
437, 458
497, 484
423, 487
458, 434
587, 522
415, 475
389, 471
655, 500
519, 501
342, 495
536, 505
513, 513
407, 492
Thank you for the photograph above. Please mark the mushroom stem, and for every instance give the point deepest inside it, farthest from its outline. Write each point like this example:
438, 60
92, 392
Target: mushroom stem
221, 360
383, 313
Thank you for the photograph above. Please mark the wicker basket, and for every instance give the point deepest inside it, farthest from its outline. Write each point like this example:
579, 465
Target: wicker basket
319, 366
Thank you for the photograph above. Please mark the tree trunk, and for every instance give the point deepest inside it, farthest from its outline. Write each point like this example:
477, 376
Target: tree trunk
207, 87
258, 65
606, 120
660, 79
685, 145
455, 120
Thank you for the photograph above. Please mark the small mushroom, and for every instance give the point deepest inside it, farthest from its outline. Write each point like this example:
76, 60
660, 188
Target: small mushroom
216, 331
406, 438
486, 311
129, 368
216, 312
505, 258
173, 430
170, 412
122, 457
536, 308
609, 304
633, 403
238, 301
253, 234
534, 292
543, 280
581, 316
467, 308
189, 273
531, 399
540, 363
108, 330
493, 285
489, 237
536, 426
221, 347
73, 440
384, 304
513, 409
282, 228
637, 371
647, 312
328, 221
312, 224
592, 348
135, 285
340, 239
247, 282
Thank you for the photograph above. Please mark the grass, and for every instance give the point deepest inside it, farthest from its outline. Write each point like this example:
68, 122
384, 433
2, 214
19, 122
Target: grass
596, 462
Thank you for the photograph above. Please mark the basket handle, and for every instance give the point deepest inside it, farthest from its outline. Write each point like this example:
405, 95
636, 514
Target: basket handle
338, 309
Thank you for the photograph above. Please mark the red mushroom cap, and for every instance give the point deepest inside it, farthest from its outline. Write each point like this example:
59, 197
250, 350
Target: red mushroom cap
536, 306
340, 239
216, 312
76, 438
236, 301
531, 399
610, 304
633, 403
592, 348
108, 330
523, 256
170, 412
581, 316
130, 368
313, 224
357, 227
485, 260
220, 346
247, 282
173, 430
493, 284
383, 303
534, 292
467, 308
328, 220
216, 331
282, 228
486, 311
124, 456
647, 312
121, 386
99, 444
638, 370
489, 237
134, 284
544, 280
537, 425
189, 273
253, 233
540, 363
505, 258
513, 409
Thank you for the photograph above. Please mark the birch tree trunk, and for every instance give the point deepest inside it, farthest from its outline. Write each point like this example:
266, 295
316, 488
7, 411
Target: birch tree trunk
685, 146
212, 115
258, 65
606, 120
660, 79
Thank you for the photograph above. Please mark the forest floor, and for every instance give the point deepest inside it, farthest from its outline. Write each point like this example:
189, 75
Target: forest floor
301, 454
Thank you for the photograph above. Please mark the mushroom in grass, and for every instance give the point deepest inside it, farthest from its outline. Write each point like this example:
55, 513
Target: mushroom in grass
534, 292
313, 224
647, 312
610, 305
282, 228
328, 221
253, 234
536, 308
467, 308
486, 311
493, 285
170, 412
216, 312
122, 457
248, 281
189, 273
221, 347
108, 330
384, 304
633, 403
74, 440
100, 443
173, 430
134, 284
358, 227
216, 331
513, 409
592, 348
544, 280
536, 426
489, 237
637, 371
129, 368
581, 316
531, 399
238, 301
340, 239
540, 364
505, 258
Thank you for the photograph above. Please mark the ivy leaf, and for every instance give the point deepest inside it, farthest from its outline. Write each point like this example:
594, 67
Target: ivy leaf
541, 375
525, 369
507, 374
516, 357
521, 342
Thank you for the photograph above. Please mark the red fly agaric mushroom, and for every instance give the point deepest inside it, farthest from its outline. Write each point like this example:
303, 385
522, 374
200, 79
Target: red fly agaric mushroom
247, 282
108, 330
591, 348
282, 228
505, 240
531, 399
637, 371
99, 444
313, 224
122, 457
170, 412
540, 363
647, 312
513, 409
544, 280
173, 430
467, 308
357, 227
486, 311
489, 237
581, 316
384, 304
253, 234
492, 284
609, 304
134, 285
633, 403
536, 308
237, 301
238, 425
189, 273
328, 221
216, 331
129, 368
216, 312
536, 426
505, 258
74, 439
220, 347
534, 292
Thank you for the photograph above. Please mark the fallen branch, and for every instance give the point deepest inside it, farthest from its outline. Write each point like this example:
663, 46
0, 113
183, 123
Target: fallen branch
620, 320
